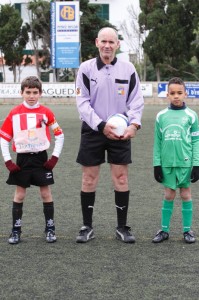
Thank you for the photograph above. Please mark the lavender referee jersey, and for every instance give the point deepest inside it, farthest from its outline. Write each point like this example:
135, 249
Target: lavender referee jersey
103, 90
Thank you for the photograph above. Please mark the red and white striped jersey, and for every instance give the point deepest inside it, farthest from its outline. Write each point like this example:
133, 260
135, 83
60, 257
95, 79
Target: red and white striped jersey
34, 124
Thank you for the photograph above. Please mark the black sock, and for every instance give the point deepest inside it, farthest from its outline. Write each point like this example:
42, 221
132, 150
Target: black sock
121, 203
48, 209
87, 203
17, 212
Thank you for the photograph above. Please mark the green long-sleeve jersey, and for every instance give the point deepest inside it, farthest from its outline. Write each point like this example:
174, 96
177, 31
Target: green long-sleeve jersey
176, 138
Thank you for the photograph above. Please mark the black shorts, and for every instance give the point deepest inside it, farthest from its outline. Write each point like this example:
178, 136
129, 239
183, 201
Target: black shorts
32, 171
94, 144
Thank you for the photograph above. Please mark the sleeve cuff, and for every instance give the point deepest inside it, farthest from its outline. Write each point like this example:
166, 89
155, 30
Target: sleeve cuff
101, 126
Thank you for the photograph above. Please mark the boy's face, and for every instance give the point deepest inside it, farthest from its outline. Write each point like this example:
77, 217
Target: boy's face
31, 95
176, 94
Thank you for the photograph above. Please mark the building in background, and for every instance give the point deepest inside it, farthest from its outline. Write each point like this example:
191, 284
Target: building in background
115, 11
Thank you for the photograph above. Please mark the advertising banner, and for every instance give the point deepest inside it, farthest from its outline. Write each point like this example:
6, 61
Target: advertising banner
48, 90
192, 89
147, 89
65, 34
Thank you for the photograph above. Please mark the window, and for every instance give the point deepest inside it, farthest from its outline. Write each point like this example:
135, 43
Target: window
103, 12
18, 7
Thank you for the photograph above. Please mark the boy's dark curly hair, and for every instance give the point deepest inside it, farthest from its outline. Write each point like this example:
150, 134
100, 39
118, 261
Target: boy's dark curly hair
176, 80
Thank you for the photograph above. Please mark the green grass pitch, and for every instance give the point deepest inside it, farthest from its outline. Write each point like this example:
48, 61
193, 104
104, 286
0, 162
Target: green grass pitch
105, 268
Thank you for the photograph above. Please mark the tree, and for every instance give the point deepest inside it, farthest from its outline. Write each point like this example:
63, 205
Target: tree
40, 32
169, 44
196, 42
134, 39
14, 37
90, 24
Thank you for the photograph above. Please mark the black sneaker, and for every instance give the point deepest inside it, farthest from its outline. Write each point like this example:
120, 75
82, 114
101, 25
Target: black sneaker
123, 234
50, 236
15, 237
86, 234
160, 236
189, 237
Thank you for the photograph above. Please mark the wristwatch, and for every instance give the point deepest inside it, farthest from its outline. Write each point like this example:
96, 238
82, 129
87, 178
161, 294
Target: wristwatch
136, 125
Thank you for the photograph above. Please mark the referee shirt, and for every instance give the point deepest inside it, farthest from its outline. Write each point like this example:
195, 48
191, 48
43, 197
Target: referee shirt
106, 89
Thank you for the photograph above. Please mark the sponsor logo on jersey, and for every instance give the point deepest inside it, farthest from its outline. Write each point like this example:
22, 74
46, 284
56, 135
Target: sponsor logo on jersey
175, 135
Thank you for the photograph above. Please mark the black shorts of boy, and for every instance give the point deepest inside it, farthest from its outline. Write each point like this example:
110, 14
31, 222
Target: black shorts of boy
32, 171
94, 144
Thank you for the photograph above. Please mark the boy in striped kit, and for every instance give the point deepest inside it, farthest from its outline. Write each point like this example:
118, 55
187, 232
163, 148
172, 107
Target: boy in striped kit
27, 125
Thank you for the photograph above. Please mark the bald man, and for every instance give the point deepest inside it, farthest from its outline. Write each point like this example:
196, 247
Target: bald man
106, 86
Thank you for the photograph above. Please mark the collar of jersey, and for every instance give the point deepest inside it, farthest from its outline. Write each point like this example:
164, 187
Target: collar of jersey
31, 106
100, 63
177, 107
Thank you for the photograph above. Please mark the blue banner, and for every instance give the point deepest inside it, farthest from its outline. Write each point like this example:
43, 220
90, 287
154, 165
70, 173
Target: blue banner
192, 89
65, 45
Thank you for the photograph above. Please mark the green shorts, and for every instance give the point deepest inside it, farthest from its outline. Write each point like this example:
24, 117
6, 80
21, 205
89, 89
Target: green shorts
174, 178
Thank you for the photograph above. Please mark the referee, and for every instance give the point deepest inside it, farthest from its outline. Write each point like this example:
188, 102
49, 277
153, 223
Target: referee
105, 86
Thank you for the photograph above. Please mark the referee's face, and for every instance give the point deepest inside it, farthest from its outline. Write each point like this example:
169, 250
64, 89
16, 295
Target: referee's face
107, 42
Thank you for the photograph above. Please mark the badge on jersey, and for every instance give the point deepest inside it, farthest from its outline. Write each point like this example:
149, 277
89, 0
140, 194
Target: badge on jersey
195, 133
120, 91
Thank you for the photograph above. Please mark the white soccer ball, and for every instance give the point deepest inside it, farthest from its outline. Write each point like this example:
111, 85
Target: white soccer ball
120, 121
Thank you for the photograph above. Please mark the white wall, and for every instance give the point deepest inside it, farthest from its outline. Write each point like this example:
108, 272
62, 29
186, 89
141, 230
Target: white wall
13, 1
117, 9
25, 71
118, 12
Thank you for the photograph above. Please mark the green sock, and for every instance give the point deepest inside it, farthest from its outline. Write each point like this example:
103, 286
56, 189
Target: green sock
187, 213
167, 210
